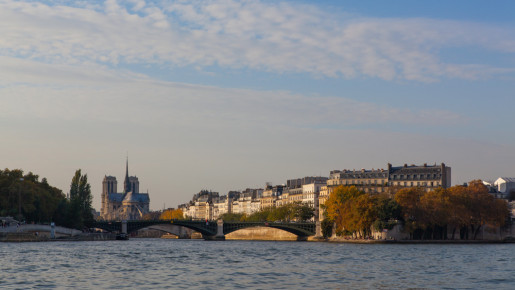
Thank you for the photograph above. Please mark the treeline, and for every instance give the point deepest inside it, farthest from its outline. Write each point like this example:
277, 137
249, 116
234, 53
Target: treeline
285, 213
461, 210
25, 198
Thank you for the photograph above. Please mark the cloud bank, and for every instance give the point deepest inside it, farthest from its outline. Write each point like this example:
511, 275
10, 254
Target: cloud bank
278, 37
66, 92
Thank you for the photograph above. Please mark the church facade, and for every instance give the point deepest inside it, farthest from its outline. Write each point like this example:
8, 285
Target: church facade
127, 205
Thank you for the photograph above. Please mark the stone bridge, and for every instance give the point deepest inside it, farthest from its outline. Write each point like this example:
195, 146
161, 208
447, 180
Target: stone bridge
210, 230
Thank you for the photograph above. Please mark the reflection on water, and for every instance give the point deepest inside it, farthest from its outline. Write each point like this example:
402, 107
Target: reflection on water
156, 263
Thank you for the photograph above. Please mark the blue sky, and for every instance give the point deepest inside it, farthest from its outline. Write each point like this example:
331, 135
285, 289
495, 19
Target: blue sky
225, 95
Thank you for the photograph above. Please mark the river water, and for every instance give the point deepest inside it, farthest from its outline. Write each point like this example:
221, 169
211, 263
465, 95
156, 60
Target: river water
198, 264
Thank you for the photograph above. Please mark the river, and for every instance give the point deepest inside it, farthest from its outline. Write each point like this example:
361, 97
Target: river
198, 264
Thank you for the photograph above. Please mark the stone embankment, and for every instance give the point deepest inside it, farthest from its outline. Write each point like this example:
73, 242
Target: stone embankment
32, 237
21, 237
365, 241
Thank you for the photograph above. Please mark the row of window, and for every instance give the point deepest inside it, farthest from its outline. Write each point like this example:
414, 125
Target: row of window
393, 177
418, 183
416, 176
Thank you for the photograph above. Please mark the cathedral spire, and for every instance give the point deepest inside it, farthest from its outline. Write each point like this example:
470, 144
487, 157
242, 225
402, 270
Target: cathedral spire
126, 184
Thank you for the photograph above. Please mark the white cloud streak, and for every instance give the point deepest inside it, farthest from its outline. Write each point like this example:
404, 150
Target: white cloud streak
67, 92
280, 37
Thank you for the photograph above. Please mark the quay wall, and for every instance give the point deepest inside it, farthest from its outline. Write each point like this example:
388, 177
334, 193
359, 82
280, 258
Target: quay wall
20, 237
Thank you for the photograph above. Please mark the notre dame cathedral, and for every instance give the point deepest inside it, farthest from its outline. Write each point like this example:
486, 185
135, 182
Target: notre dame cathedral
127, 205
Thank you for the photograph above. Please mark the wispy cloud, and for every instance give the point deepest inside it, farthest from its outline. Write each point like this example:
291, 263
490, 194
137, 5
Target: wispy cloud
35, 90
280, 37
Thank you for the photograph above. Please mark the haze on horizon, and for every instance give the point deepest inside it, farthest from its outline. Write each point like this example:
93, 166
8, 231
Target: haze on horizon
225, 95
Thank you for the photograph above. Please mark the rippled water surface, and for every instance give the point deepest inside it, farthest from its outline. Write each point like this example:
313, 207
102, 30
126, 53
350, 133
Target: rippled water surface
198, 264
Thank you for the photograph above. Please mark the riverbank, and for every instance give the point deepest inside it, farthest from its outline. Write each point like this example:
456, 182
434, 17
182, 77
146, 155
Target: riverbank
21, 237
31, 237
364, 241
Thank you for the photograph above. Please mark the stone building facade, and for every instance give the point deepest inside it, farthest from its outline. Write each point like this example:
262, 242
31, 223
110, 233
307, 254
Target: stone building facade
127, 205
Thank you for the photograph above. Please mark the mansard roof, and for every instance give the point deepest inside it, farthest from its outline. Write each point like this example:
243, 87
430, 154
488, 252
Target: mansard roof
415, 169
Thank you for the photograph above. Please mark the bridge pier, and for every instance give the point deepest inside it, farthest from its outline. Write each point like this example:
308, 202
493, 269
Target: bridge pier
52, 230
124, 227
220, 236
318, 230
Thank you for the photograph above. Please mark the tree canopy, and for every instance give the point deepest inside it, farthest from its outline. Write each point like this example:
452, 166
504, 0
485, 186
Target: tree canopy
80, 201
355, 212
286, 213
426, 215
172, 214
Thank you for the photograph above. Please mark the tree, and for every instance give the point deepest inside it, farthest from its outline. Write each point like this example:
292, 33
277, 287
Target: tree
233, 217
303, 212
436, 208
511, 195
327, 228
81, 198
388, 212
172, 214
37, 200
152, 215
412, 211
338, 206
484, 208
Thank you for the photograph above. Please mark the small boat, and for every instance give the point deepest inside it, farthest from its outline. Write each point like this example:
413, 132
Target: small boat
122, 237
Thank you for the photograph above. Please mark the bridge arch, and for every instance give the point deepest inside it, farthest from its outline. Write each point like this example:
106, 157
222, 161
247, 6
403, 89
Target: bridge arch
261, 233
180, 231
298, 229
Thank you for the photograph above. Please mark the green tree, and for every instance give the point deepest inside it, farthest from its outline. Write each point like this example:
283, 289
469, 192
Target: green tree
303, 212
81, 199
232, 217
388, 212
38, 200
327, 228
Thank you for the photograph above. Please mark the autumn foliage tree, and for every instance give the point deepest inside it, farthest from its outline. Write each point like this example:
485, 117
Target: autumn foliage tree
355, 212
426, 215
172, 214
467, 209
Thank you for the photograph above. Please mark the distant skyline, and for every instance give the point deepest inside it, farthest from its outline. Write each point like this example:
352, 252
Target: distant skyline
225, 95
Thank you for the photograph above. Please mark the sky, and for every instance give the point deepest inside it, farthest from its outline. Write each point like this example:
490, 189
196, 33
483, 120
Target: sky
227, 95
